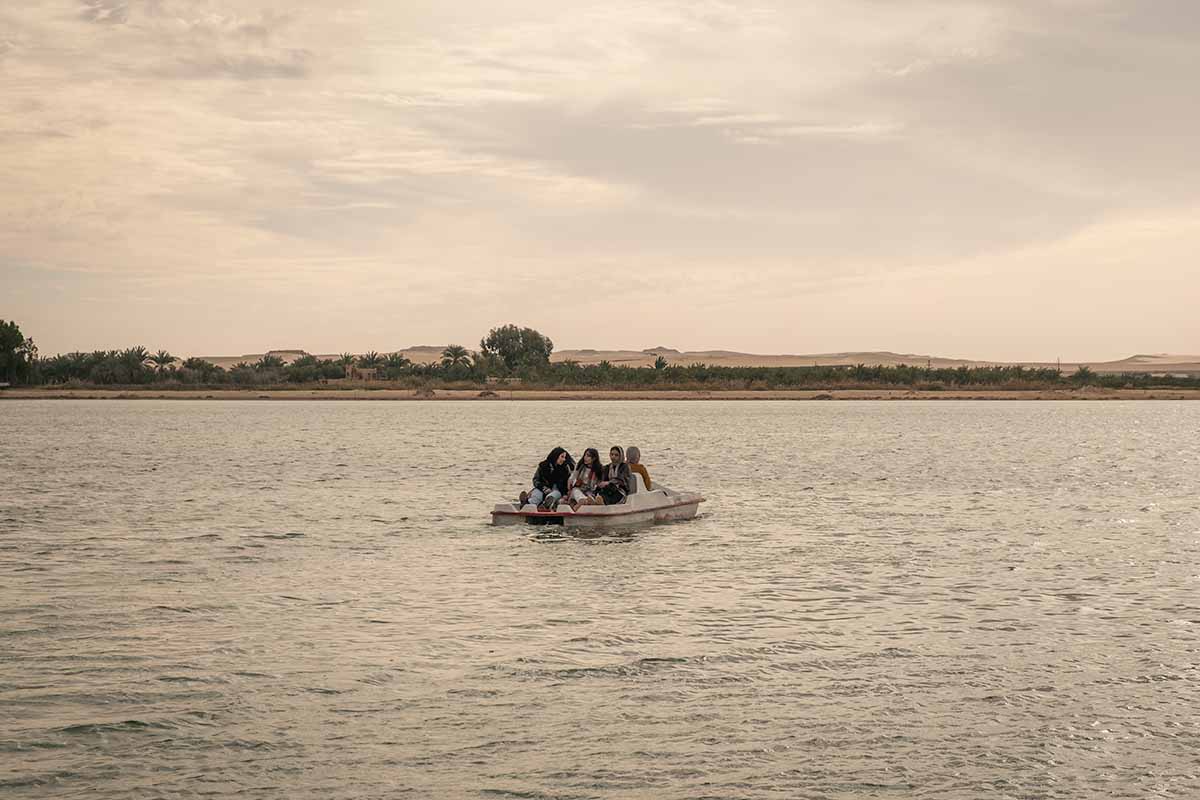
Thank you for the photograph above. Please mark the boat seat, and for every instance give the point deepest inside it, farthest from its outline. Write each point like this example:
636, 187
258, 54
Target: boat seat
638, 484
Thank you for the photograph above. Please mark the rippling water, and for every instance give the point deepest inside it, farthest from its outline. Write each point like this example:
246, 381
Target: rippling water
879, 600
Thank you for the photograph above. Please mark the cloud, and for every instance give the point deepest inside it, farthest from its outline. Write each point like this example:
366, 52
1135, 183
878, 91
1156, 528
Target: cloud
247, 67
105, 12
194, 39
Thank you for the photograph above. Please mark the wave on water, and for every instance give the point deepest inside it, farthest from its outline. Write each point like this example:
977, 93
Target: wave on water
920, 599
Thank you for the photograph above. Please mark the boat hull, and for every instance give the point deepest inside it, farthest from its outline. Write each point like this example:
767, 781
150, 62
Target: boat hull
643, 511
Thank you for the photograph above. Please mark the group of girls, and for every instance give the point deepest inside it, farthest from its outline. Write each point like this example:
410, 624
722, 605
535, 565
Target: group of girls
587, 483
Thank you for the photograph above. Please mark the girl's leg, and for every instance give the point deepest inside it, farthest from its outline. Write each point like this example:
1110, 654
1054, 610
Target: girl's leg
552, 499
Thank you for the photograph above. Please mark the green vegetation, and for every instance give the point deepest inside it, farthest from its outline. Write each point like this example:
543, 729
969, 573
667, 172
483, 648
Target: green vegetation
456, 356
162, 359
18, 355
566, 375
517, 348
521, 357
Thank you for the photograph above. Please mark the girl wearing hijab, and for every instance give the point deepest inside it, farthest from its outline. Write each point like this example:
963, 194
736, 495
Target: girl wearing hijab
550, 480
634, 457
614, 480
584, 479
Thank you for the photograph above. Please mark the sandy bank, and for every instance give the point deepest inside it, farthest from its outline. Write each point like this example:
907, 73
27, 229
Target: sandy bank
1089, 393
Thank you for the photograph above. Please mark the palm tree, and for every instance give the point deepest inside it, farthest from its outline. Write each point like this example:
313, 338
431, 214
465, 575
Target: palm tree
77, 365
56, 369
396, 365
135, 356
133, 363
370, 360
269, 362
204, 369
397, 361
162, 359
345, 360
456, 355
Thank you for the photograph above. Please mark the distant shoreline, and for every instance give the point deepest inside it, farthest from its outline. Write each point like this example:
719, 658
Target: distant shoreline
429, 354
498, 394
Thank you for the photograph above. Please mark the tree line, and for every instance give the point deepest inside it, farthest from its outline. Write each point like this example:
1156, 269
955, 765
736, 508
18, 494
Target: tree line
521, 356
567, 374
503, 352
137, 366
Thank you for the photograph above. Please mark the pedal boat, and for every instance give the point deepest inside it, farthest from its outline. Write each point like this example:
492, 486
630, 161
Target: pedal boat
641, 507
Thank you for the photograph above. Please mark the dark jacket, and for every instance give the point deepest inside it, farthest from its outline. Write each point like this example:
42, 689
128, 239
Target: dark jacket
552, 475
620, 476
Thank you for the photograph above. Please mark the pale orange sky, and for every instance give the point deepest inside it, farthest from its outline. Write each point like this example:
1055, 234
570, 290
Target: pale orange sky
997, 180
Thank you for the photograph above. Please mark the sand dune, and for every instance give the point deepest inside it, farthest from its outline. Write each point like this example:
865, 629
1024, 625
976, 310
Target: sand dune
425, 354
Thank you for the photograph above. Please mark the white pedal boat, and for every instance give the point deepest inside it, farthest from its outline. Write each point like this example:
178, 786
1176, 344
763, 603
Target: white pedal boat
642, 506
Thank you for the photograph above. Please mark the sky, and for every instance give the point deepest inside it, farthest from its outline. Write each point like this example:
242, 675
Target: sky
1013, 180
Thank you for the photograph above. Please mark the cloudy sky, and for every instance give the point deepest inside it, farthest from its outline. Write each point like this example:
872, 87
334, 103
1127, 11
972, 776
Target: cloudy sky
1003, 179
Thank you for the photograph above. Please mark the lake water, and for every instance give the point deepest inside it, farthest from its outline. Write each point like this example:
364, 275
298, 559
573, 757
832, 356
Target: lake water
305, 600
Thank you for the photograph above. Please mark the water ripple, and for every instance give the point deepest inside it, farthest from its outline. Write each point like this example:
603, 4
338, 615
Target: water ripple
935, 600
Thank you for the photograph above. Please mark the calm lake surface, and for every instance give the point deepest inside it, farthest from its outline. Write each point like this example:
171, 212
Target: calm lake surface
306, 600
